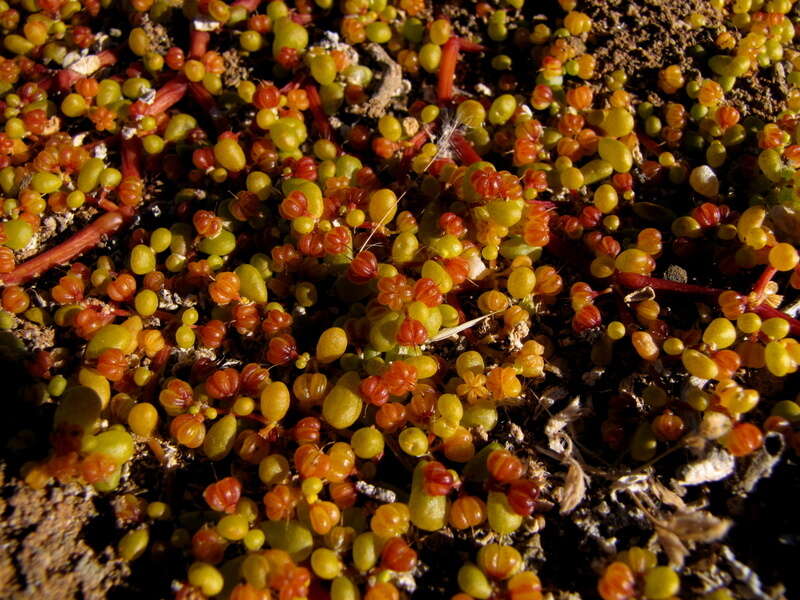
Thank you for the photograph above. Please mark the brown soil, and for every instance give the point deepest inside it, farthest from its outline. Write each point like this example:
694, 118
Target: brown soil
45, 538
645, 36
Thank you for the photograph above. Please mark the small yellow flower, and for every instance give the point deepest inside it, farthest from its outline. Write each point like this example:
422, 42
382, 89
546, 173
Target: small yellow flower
473, 389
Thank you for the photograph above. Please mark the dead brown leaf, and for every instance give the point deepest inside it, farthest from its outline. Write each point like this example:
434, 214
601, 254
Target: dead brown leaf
574, 487
673, 547
666, 495
698, 526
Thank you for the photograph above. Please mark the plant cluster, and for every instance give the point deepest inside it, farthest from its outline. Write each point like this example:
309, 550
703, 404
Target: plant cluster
275, 257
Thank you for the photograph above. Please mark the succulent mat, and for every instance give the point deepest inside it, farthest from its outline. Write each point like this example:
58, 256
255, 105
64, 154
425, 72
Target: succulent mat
393, 299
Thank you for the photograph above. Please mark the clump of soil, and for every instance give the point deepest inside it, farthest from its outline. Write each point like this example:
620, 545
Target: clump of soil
643, 37
54, 543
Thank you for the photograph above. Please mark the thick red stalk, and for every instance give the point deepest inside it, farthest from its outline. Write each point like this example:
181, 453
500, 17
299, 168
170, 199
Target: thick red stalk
169, 94
469, 46
107, 57
67, 250
648, 142
634, 280
760, 287
293, 84
248, 5
131, 157
198, 43
414, 145
765, 311
202, 96
66, 78
416, 142
301, 18
466, 152
158, 364
447, 70
101, 200
447, 65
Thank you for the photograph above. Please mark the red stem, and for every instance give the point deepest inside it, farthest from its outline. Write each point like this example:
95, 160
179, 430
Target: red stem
469, 46
207, 102
202, 96
198, 43
447, 70
301, 18
415, 143
131, 157
320, 118
465, 150
155, 448
634, 280
66, 78
447, 65
293, 84
169, 94
648, 143
248, 5
103, 202
67, 250
760, 287
765, 311
107, 58
257, 417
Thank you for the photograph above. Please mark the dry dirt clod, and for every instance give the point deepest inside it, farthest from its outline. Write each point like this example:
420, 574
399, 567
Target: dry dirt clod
44, 549
716, 465
391, 84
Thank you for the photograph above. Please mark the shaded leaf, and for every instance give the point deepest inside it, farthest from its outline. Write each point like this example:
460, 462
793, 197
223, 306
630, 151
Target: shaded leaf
787, 222
653, 212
